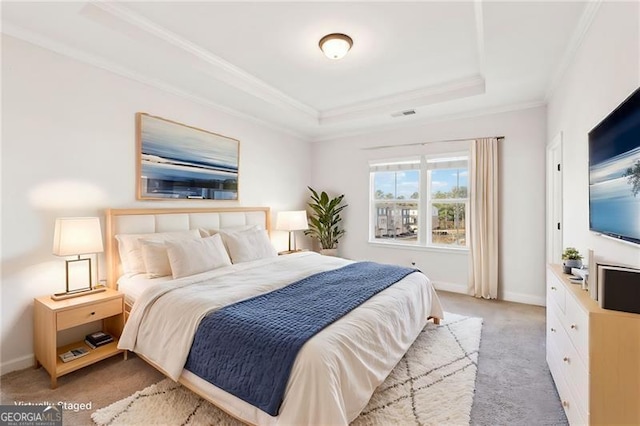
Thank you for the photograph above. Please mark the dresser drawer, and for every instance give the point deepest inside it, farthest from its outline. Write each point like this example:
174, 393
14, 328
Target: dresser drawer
556, 291
576, 414
568, 362
84, 314
554, 326
576, 322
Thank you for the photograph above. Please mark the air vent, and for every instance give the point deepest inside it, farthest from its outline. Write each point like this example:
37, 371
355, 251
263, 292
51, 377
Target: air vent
403, 113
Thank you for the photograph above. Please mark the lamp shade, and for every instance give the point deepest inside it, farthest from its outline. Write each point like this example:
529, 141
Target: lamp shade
77, 235
292, 221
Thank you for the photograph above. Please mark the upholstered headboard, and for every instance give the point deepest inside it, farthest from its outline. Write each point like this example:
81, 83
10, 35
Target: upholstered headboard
145, 221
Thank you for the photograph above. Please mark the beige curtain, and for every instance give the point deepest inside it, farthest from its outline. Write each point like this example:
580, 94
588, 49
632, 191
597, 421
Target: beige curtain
483, 256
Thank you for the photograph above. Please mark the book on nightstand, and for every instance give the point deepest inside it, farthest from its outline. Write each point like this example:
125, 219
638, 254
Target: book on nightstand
99, 338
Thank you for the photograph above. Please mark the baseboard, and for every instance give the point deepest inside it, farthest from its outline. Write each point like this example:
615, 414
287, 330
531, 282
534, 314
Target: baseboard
17, 364
508, 296
452, 287
527, 299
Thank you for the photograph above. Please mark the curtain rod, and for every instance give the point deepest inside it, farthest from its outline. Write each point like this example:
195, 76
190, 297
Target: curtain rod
426, 143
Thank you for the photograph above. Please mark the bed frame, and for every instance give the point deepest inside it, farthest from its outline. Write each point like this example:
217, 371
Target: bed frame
138, 221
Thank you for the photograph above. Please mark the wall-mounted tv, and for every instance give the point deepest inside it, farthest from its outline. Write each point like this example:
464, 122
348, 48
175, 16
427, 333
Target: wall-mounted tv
614, 173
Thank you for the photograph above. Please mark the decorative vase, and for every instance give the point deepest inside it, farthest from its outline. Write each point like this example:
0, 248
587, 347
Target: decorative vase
571, 263
329, 252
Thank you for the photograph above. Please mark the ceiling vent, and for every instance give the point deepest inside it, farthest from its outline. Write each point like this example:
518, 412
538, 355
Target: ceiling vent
403, 113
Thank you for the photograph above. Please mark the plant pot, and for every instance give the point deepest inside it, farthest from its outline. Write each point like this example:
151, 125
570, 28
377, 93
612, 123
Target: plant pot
571, 263
329, 252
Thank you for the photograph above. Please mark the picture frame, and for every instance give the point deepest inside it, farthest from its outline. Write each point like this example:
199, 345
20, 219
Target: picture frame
175, 161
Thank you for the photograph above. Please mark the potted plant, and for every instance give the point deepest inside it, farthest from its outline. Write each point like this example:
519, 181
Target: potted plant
572, 259
324, 223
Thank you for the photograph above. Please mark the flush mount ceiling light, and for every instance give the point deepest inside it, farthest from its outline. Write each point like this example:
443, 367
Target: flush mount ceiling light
335, 46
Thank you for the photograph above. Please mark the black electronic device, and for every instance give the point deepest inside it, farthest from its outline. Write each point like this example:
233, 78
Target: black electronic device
619, 288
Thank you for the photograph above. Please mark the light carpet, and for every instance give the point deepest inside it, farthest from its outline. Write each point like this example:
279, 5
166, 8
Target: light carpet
432, 385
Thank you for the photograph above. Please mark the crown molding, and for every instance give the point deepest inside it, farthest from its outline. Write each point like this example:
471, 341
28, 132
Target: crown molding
225, 71
415, 123
99, 62
446, 91
242, 80
578, 36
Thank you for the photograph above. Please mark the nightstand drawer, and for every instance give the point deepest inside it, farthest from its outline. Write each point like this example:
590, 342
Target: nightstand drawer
85, 314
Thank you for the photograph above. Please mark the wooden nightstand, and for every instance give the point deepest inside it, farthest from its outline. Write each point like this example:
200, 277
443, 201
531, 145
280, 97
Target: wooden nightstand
52, 316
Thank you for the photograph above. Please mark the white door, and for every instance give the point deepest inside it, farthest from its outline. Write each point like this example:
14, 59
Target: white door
554, 200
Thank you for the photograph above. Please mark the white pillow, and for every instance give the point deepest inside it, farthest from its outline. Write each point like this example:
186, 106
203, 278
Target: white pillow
190, 257
131, 254
239, 228
248, 245
154, 256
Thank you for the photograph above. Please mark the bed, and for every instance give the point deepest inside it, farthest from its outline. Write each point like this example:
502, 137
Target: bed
336, 371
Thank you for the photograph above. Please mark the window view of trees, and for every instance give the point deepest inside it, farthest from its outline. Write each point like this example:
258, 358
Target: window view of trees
449, 194
396, 204
396, 200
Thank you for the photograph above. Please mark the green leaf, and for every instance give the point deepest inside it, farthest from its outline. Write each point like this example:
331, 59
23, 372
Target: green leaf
325, 217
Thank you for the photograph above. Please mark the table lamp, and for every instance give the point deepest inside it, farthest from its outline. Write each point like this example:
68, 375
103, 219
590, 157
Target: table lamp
75, 236
292, 221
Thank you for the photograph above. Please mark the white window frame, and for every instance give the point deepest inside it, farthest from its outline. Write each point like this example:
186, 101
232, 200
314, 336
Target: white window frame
425, 205
372, 206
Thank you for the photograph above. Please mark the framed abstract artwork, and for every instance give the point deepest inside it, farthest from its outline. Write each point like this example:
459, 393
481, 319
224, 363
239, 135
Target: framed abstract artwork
176, 161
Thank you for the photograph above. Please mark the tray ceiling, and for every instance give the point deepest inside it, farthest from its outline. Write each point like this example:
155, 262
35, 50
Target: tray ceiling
262, 61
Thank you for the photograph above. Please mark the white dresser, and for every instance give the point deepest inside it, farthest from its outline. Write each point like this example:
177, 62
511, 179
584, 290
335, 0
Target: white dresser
593, 355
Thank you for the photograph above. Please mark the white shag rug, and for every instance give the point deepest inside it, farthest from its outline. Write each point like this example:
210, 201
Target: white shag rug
432, 385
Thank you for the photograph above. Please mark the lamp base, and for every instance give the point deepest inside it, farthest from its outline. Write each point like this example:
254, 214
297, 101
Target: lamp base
77, 293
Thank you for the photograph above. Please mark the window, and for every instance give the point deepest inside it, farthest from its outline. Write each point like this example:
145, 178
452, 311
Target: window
402, 212
448, 200
395, 200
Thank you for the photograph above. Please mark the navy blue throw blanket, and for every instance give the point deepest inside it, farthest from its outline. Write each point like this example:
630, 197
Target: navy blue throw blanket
248, 348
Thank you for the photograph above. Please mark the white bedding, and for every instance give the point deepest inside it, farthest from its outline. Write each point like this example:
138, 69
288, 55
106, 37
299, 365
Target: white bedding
335, 372
133, 285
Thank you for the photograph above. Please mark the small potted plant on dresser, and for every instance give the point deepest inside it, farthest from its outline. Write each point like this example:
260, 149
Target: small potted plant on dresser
324, 222
572, 259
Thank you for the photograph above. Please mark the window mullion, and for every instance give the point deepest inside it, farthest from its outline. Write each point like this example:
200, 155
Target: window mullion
467, 222
424, 211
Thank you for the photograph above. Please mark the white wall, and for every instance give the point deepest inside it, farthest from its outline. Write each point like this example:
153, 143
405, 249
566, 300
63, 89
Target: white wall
68, 149
606, 69
341, 167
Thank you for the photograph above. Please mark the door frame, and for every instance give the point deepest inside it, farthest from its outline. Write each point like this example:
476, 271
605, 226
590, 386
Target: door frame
554, 190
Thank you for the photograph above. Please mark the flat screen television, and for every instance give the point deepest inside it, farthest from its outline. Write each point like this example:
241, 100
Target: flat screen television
614, 173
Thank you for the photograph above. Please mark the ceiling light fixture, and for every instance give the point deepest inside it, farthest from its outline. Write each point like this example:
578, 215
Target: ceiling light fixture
335, 46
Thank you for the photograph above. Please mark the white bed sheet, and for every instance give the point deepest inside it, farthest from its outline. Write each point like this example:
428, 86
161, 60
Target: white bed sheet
134, 285
335, 373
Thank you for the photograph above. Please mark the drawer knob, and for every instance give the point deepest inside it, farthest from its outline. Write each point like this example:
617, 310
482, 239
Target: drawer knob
553, 288
565, 404
553, 329
573, 326
93, 313
565, 359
